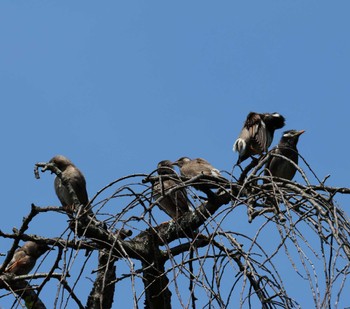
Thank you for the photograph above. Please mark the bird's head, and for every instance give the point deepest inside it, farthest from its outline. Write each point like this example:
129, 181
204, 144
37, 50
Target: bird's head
35, 249
61, 162
291, 136
165, 167
180, 162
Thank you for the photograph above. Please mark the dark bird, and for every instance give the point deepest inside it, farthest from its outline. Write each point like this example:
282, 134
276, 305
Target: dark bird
25, 257
257, 134
175, 204
75, 178
287, 147
281, 167
192, 168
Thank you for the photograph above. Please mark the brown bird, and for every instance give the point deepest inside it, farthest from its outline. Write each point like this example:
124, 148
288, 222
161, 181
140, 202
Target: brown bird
25, 257
175, 204
192, 168
287, 147
257, 134
76, 179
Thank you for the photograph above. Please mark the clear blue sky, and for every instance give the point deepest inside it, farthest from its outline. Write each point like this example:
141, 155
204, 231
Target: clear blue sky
117, 86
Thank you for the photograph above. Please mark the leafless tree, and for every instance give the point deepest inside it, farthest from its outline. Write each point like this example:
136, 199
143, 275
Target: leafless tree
245, 245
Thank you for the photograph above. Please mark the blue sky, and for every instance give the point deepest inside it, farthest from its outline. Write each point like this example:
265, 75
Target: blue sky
119, 86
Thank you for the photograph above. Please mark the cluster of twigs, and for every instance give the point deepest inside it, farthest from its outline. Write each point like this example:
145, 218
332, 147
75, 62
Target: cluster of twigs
231, 251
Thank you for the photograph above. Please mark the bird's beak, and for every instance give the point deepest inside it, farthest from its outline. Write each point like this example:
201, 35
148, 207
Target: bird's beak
175, 163
300, 132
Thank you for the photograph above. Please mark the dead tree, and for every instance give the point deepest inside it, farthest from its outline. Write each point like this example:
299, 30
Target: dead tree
231, 251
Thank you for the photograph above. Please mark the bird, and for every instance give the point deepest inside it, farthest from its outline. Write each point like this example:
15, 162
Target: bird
280, 167
195, 167
75, 178
287, 147
25, 257
257, 134
175, 204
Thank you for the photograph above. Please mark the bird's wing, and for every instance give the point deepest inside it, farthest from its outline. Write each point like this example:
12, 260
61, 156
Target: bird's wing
79, 185
268, 163
252, 120
255, 131
200, 161
261, 138
19, 258
206, 168
61, 192
188, 170
249, 130
272, 162
179, 198
175, 203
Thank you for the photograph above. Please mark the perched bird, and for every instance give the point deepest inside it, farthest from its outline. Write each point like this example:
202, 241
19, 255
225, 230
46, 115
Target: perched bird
192, 168
257, 134
287, 147
76, 179
25, 257
176, 203
280, 167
